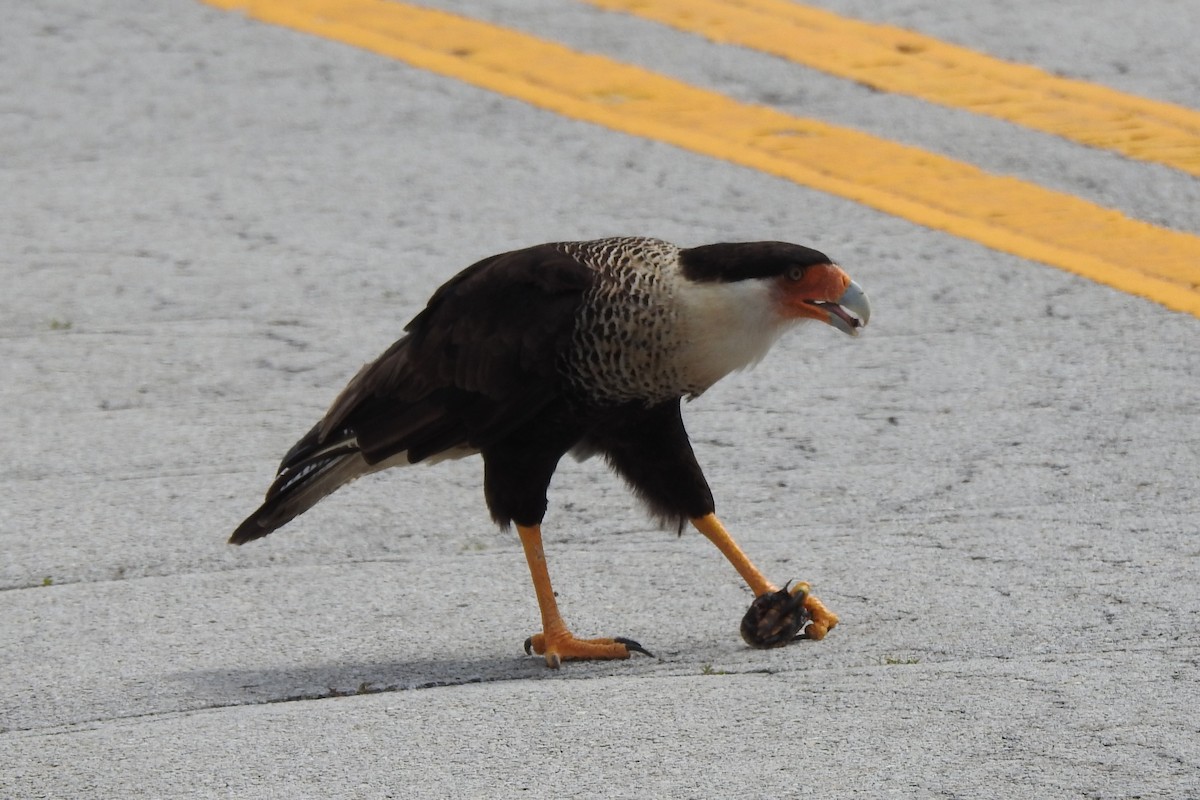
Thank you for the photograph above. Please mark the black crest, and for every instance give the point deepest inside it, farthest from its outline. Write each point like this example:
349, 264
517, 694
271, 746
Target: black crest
739, 261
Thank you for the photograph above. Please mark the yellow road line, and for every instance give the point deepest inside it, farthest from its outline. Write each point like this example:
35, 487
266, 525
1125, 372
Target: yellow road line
1003, 213
903, 62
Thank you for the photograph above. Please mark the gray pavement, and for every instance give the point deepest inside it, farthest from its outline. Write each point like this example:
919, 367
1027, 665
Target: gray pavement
207, 224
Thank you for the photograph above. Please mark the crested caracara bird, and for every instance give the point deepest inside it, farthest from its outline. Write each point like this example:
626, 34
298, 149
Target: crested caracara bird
581, 347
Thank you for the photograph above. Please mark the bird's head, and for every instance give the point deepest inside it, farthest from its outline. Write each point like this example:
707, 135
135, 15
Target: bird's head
804, 283
824, 292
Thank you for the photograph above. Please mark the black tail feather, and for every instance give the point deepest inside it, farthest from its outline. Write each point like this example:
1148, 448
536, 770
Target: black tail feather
309, 473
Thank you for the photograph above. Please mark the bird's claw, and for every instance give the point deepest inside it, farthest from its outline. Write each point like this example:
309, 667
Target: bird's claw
778, 618
633, 646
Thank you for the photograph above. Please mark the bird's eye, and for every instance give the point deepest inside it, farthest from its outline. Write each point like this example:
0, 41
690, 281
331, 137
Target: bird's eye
795, 273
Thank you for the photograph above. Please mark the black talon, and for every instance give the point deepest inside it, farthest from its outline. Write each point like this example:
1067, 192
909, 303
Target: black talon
633, 646
775, 619
529, 646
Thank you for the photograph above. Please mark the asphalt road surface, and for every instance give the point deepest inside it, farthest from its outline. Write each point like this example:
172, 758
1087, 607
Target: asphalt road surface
208, 223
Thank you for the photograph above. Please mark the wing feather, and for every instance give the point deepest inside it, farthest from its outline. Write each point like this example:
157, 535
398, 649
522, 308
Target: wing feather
480, 360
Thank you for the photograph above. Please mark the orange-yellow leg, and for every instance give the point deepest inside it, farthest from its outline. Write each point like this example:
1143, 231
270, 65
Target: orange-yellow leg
823, 620
555, 642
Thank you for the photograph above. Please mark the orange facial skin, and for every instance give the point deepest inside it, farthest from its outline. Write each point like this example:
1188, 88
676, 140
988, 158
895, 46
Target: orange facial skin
823, 292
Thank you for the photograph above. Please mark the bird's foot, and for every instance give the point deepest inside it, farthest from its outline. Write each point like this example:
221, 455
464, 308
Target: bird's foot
823, 620
565, 647
777, 618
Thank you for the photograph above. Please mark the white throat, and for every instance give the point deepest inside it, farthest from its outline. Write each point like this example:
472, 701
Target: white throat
728, 327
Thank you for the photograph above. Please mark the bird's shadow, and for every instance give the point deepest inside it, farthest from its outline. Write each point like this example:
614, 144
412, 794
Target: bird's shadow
235, 686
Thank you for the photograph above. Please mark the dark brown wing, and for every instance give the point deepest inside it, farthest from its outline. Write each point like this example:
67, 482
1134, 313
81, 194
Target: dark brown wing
480, 360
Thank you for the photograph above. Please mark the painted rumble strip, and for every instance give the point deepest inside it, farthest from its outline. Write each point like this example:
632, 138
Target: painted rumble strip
1003, 213
904, 62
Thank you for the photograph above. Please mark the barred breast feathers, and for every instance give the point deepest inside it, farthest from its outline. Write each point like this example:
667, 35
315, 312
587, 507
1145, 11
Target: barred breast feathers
646, 333
627, 337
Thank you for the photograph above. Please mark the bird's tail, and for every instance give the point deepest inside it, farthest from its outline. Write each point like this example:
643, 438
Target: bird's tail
311, 470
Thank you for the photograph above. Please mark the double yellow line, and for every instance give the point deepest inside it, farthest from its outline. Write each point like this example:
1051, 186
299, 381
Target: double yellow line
904, 62
1004, 213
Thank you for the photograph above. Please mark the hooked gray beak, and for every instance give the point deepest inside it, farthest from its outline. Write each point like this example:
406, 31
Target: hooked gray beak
850, 312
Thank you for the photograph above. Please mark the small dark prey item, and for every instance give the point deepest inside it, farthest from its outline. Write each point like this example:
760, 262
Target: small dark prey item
776, 618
